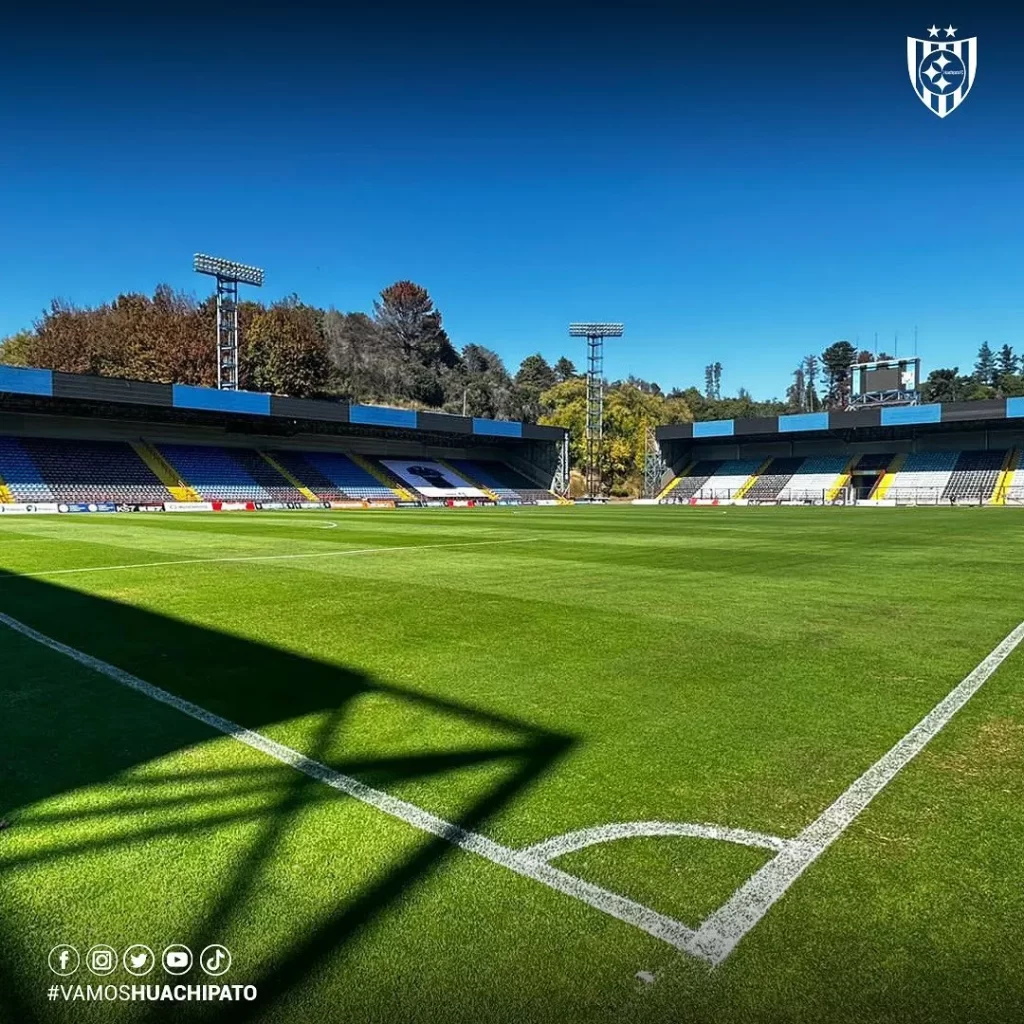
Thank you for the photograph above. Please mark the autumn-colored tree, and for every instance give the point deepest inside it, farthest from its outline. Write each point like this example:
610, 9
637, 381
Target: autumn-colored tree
629, 411
186, 333
285, 352
366, 370
567, 405
399, 355
406, 315
15, 349
164, 338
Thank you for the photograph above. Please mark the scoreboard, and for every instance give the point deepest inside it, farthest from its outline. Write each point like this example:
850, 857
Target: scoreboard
888, 378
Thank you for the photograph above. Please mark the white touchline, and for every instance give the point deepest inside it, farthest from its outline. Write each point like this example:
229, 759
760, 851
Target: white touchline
656, 924
266, 558
719, 933
288, 519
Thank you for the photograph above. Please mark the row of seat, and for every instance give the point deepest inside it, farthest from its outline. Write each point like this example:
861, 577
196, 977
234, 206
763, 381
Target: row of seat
69, 470
48, 470
948, 476
500, 479
935, 476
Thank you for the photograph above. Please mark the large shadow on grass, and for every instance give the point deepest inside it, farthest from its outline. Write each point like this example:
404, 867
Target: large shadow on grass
61, 733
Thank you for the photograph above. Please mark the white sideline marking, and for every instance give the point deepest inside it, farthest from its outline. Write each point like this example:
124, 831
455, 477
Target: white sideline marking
519, 861
719, 933
289, 519
267, 558
559, 846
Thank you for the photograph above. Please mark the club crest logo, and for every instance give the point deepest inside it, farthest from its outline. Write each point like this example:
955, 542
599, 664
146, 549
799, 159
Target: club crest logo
942, 68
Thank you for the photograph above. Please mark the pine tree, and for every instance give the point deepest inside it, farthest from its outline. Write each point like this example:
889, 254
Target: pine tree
837, 360
796, 393
1007, 364
810, 367
565, 369
985, 367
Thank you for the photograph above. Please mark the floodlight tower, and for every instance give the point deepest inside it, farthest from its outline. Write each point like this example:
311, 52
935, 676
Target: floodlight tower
595, 335
229, 276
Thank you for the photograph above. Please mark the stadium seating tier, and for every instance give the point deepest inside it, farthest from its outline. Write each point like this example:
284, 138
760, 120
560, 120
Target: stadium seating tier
36, 469
505, 482
975, 476
45, 469
214, 473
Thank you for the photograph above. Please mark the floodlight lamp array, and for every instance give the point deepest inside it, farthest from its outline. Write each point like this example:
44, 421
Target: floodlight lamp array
596, 330
228, 269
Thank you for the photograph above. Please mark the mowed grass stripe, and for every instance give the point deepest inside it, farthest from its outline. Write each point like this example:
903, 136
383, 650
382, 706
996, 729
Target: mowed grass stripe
278, 556
162, 835
740, 668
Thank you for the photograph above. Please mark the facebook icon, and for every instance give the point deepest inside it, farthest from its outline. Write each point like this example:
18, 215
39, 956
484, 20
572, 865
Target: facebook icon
64, 960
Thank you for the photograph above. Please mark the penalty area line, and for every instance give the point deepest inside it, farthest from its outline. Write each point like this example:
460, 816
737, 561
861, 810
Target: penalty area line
521, 862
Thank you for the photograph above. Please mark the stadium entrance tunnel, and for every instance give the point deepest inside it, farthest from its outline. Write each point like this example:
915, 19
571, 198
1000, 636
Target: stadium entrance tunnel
147, 819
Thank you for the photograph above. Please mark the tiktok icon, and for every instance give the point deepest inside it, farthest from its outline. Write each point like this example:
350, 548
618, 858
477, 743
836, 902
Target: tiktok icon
215, 960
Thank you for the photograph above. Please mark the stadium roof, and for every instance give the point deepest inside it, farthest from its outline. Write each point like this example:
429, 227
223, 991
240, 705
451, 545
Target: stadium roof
849, 420
52, 384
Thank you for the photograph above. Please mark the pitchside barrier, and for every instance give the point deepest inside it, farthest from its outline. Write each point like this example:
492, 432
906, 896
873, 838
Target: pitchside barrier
894, 496
64, 508
733, 496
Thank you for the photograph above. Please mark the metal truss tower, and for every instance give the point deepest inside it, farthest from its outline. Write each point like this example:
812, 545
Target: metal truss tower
595, 334
595, 414
229, 275
563, 476
654, 464
227, 334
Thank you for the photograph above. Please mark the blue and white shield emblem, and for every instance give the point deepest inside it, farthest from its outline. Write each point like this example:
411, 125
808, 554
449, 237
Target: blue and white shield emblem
942, 73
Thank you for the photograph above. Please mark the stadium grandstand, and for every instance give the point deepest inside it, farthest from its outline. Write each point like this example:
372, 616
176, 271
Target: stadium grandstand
78, 443
942, 453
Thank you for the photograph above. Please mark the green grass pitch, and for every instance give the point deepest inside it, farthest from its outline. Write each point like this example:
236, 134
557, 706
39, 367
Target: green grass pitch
521, 674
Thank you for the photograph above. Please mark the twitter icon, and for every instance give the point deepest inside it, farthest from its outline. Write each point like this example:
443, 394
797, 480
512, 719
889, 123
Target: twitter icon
138, 960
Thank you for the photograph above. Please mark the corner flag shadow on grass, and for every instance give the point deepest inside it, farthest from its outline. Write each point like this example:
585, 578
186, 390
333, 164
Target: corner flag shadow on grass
67, 728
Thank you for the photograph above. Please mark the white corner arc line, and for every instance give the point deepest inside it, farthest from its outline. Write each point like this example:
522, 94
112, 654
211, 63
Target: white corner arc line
719, 934
268, 558
658, 925
570, 842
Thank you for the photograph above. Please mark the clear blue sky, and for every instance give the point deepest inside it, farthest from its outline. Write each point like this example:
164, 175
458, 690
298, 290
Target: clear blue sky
739, 186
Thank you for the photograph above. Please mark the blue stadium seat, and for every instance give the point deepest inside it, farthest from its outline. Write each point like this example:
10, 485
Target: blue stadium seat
21, 474
215, 474
504, 481
344, 474
89, 471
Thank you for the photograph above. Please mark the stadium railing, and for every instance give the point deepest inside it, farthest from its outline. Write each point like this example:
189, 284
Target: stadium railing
846, 496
